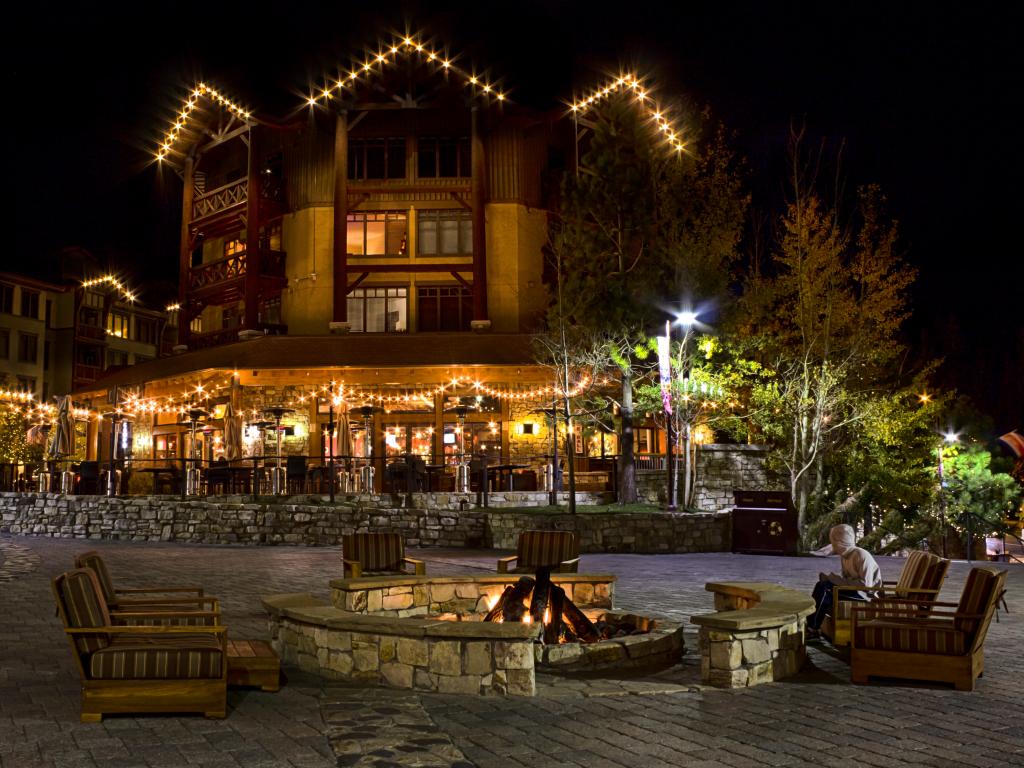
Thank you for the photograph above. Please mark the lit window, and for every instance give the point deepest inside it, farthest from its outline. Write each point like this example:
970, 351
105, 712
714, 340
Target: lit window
377, 234
117, 325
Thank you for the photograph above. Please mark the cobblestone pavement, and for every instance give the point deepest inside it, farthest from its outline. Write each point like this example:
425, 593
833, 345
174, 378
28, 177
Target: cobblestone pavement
817, 718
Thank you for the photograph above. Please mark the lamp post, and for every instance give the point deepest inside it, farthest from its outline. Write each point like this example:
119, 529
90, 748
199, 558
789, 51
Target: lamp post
948, 438
687, 320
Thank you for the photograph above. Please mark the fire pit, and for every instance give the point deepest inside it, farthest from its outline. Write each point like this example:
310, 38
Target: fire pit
466, 634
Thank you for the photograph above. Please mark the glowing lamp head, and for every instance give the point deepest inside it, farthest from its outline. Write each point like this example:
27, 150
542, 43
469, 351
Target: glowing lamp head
951, 437
686, 319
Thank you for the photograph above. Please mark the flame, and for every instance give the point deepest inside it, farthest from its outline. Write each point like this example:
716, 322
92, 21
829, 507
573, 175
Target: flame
492, 601
527, 619
499, 619
547, 616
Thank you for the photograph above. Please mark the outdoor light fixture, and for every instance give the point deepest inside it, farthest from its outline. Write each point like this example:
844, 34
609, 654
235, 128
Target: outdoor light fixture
686, 318
951, 437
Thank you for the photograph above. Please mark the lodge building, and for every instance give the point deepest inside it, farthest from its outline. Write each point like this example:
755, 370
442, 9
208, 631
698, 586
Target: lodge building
384, 249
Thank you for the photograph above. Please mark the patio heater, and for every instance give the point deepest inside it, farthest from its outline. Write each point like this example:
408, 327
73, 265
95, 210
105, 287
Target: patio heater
277, 478
193, 475
462, 469
366, 471
43, 476
113, 474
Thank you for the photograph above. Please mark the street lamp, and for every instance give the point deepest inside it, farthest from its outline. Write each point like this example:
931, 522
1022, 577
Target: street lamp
687, 319
950, 438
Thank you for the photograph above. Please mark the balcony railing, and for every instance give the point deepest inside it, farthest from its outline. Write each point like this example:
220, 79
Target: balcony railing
95, 332
86, 374
271, 264
220, 199
230, 335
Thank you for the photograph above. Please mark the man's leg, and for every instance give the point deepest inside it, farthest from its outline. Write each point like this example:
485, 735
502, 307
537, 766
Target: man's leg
822, 595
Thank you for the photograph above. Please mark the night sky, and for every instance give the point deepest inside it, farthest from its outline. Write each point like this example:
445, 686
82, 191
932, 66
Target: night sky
925, 95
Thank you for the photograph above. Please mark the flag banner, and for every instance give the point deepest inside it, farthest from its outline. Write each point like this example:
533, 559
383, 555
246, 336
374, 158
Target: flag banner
1015, 442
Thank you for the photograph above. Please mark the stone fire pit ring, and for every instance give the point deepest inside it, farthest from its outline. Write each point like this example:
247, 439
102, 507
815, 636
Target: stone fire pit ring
386, 630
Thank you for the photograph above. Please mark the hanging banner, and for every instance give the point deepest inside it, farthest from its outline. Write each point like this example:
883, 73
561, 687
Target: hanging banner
665, 372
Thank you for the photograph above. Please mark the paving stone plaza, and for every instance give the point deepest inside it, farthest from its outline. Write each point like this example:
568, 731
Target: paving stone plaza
664, 719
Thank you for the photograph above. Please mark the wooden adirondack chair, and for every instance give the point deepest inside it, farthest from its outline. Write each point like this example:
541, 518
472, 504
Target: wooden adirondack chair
921, 579
376, 554
557, 550
925, 641
131, 669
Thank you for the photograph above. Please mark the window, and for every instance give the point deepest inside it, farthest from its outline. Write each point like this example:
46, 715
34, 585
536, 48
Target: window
196, 326
378, 310
376, 159
29, 303
231, 317
270, 237
90, 317
116, 358
6, 298
5, 344
117, 325
28, 348
27, 383
377, 234
93, 300
270, 311
444, 232
145, 331
443, 158
233, 247
443, 308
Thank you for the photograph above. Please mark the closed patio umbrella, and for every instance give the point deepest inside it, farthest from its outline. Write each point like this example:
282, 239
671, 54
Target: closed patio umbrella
63, 433
344, 436
232, 434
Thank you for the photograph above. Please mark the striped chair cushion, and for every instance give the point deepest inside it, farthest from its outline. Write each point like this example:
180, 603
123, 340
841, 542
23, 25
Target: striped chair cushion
921, 637
540, 549
158, 658
165, 621
375, 551
94, 562
84, 607
976, 597
915, 574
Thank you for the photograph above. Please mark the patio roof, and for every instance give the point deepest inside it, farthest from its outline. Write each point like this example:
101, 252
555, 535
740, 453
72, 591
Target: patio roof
332, 352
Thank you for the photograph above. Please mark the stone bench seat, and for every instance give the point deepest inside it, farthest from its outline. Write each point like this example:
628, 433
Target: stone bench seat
756, 634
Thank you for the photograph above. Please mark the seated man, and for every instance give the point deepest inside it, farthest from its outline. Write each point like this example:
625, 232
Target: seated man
858, 569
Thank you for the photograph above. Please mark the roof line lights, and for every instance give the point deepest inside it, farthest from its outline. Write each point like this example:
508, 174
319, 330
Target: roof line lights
189, 105
628, 83
114, 283
409, 45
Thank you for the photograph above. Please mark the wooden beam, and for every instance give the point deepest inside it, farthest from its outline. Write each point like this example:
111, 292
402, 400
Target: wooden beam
461, 279
413, 267
252, 238
339, 250
217, 140
355, 284
477, 191
185, 254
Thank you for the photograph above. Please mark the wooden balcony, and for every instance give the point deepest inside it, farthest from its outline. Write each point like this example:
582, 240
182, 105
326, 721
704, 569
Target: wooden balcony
90, 332
230, 335
86, 374
220, 200
224, 280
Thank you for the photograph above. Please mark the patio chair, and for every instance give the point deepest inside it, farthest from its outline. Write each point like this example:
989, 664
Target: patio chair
178, 605
295, 473
130, 669
557, 550
218, 478
912, 640
921, 579
376, 554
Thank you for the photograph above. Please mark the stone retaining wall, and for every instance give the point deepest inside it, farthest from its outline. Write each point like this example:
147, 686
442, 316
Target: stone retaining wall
311, 521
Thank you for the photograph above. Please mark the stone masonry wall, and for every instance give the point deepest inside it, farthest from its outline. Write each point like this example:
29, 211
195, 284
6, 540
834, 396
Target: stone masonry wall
721, 469
308, 521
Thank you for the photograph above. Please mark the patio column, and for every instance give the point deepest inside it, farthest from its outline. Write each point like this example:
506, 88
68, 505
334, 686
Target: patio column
252, 238
339, 317
480, 320
185, 253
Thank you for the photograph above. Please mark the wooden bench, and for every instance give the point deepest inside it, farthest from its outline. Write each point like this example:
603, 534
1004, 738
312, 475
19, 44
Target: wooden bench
253, 663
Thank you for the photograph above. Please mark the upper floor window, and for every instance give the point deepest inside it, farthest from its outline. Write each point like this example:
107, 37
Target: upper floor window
92, 299
117, 325
443, 308
444, 232
6, 298
376, 159
270, 237
378, 234
116, 358
5, 344
29, 303
28, 348
442, 158
233, 247
379, 310
196, 326
145, 331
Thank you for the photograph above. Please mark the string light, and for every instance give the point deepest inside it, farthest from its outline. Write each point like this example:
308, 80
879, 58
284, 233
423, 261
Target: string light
406, 47
114, 283
629, 83
189, 106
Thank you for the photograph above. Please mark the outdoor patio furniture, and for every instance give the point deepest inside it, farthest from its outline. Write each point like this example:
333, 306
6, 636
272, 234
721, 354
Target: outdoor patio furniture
296, 474
376, 554
130, 669
88, 473
557, 550
920, 579
194, 607
218, 478
915, 640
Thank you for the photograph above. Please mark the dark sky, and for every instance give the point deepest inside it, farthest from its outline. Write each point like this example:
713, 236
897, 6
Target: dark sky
925, 95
